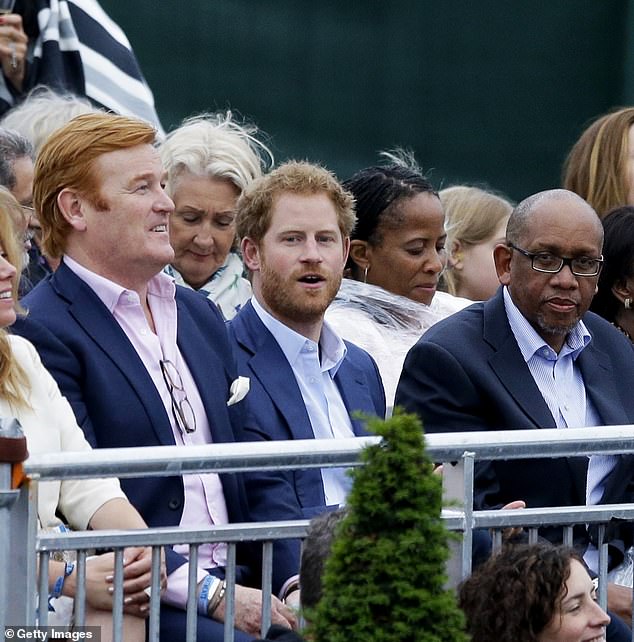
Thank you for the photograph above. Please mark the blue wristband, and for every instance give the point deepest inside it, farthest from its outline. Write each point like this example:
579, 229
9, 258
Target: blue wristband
205, 590
58, 587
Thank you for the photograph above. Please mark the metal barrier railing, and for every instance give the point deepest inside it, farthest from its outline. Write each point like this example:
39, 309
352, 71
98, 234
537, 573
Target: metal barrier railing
461, 448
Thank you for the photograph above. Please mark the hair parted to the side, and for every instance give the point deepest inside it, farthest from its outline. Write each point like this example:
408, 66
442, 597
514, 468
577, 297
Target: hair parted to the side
254, 209
516, 593
472, 215
596, 166
13, 379
215, 146
66, 161
618, 266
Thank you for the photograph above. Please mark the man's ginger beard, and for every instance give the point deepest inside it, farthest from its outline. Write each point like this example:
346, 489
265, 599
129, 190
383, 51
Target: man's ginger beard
287, 300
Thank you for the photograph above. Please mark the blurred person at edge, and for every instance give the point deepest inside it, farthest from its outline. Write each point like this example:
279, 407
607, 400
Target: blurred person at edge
29, 393
397, 254
26, 128
475, 220
600, 165
614, 299
533, 593
210, 159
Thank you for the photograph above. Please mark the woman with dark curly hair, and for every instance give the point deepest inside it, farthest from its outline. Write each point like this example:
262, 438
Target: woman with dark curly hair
614, 299
533, 593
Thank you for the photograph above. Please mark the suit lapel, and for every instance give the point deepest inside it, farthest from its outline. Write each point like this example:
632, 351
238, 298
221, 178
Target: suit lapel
355, 393
98, 323
598, 378
510, 367
208, 371
273, 371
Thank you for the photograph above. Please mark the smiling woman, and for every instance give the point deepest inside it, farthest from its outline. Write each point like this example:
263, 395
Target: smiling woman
533, 593
210, 159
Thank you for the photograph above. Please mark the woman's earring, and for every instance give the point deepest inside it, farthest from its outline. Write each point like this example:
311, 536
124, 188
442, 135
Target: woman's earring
365, 273
628, 303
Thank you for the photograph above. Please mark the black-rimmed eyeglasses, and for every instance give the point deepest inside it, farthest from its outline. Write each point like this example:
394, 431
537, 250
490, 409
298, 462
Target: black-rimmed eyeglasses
551, 263
181, 408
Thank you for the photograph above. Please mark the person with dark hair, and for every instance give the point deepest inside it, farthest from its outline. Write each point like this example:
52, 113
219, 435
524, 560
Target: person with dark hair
614, 299
397, 253
533, 357
532, 593
315, 552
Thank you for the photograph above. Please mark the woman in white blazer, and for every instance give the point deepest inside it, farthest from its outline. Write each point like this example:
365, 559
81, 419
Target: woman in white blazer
29, 393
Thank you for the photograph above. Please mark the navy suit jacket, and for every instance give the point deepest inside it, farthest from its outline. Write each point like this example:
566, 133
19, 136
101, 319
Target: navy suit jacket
113, 396
281, 412
467, 373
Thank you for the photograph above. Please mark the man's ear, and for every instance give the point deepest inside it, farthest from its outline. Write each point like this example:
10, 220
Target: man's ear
502, 257
360, 253
346, 250
250, 254
70, 204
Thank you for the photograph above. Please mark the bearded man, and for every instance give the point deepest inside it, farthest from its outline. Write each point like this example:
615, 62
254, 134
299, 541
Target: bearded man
306, 382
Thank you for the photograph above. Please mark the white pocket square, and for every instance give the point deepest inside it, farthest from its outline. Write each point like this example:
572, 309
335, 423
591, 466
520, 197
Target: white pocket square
238, 390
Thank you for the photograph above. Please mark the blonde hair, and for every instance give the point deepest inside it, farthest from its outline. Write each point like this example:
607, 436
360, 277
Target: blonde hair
254, 209
13, 378
596, 167
66, 161
214, 146
43, 111
472, 215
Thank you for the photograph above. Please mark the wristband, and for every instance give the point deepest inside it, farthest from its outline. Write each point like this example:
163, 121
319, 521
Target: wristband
214, 601
207, 591
58, 587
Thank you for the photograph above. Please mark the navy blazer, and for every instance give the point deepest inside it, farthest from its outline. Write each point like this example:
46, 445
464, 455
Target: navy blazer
281, 412
113, 396
467, 373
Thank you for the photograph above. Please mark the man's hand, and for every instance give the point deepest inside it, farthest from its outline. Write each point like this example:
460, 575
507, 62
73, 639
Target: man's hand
620, 602
509, 533
248, 608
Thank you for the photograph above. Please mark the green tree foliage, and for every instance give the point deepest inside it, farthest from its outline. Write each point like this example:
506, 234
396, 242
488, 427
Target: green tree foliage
385, 579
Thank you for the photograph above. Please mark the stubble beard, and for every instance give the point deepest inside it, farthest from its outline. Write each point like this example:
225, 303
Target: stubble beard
309, 306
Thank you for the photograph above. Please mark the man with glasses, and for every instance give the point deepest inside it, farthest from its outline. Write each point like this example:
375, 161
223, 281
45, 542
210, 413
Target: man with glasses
534, 357
142, 361
16, 174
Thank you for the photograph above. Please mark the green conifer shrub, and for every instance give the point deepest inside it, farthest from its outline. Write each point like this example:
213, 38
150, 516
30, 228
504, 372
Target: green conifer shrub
385, 579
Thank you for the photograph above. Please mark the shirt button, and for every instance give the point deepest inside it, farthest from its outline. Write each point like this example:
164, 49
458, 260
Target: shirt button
312, 380
143, 331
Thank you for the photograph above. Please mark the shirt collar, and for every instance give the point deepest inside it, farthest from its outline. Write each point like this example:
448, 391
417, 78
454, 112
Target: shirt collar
332, 347
530, 342
111, 293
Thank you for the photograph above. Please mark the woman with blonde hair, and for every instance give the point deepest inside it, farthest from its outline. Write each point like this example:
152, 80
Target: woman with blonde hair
599, 166
210, 159
30, 394
475, 221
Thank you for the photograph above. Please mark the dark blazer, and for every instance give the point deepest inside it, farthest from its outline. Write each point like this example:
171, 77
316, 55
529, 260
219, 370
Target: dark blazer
114, 398
281, 413
467, 373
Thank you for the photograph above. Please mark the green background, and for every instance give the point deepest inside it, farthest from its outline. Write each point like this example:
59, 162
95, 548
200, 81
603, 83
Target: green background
483, 91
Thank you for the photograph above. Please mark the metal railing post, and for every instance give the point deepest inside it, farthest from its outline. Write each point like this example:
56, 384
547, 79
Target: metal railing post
13, 525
